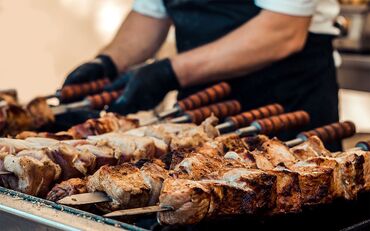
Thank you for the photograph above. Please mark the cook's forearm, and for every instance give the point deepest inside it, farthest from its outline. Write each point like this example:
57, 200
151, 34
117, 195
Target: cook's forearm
263, 40
137, 40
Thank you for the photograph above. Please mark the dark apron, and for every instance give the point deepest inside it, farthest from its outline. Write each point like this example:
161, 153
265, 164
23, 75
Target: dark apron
303, 81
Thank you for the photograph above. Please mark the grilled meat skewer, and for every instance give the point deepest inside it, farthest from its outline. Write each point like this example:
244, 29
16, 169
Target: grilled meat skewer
299, 117
192, 167
312, 192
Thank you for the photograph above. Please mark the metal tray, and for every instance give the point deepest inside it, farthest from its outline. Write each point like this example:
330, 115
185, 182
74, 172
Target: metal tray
19, 211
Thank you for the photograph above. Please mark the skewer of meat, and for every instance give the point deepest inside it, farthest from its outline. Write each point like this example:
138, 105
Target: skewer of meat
82, 157
92, 199
315, 181
76, 160
202, 170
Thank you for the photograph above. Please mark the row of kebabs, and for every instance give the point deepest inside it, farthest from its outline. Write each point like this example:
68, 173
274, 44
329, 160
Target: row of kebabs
227, 176
37, 160
82, 157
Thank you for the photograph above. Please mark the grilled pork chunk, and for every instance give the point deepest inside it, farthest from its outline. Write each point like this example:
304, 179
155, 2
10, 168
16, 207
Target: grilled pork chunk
311, 148
56, 136
40, 112
127, 185
194, 201
366, 165
74, 163
178, 136
33, 172
109, 122
347, 169
67, 188
127, 148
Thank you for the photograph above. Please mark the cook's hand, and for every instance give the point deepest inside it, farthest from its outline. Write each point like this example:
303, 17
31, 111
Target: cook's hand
144, 88
102, 66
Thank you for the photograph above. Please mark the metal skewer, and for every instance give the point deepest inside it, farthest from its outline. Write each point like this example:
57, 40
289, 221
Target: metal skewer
138, 211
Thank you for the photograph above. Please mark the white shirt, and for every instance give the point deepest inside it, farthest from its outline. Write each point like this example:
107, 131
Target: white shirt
323, 11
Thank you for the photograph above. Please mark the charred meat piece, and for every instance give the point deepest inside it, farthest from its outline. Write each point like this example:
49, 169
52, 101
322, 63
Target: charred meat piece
262, 183
190, 200
104, 155
288, 192
311, 148
40, 112
178, 136
108, 123
33, 172
348, 174
67, 188
366, 165
56, 136
127, 185
127, 148
17, 119
74, 163
315, 182
194, 201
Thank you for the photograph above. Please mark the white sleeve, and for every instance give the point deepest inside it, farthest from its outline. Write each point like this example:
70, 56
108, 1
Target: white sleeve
151, 8
291, 7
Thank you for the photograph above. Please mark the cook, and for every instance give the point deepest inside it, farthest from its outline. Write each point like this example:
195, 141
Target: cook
270, 51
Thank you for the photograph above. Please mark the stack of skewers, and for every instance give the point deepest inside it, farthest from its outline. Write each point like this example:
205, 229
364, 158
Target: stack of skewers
184, 171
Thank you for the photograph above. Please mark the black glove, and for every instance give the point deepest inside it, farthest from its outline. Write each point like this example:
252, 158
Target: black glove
101, 66
145, 87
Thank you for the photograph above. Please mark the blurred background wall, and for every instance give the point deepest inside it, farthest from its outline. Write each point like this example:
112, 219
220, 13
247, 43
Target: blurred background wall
42, 40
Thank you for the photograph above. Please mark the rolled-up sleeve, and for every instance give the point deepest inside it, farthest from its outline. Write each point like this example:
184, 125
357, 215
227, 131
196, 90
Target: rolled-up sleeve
290, 7
151, 8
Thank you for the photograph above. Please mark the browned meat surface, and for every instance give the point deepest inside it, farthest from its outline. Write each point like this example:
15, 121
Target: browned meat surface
9, 96
348, 168
366, 165
17, 119
190, 200
262, 183
56, 136
40, 112
348, 174
74, 163
104, 155
195, 200
288, 193
33, 172
67, 188
127, 185
313, 147
315, 182
107, 123
127, 148
178, 136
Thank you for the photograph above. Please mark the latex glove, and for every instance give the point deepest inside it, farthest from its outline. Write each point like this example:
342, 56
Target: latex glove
102, 66
145, 87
